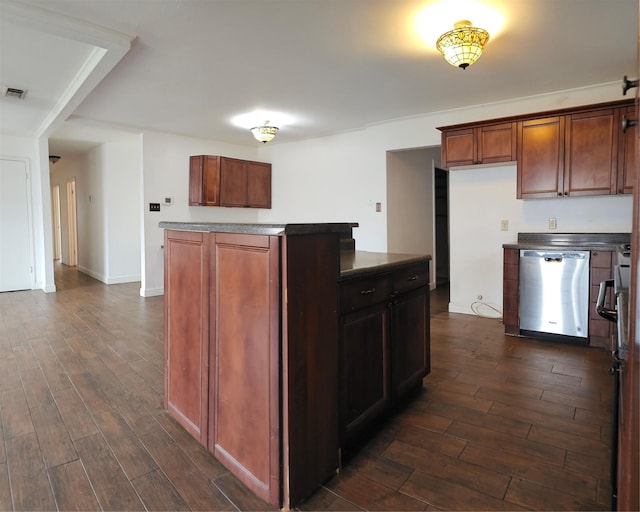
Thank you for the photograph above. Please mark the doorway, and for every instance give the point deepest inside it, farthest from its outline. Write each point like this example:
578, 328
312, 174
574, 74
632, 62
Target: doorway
441, 208
57, 231
73, 222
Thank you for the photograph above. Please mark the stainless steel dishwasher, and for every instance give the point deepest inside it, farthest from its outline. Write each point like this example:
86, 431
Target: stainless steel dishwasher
554, 292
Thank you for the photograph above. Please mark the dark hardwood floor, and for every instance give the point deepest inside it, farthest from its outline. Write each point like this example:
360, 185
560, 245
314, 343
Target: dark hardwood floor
501, 423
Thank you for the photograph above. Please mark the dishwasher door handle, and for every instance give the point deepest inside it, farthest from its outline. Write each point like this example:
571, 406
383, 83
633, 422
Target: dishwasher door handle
604, 312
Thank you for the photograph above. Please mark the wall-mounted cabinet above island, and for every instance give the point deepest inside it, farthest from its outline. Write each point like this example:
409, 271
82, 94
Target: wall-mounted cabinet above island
223, 181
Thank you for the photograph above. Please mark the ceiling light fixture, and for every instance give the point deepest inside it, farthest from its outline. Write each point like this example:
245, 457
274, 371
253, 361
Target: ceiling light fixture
54, 159
463, 45
264, 133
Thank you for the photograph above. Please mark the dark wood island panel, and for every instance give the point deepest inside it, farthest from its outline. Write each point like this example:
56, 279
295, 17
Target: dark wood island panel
255, 343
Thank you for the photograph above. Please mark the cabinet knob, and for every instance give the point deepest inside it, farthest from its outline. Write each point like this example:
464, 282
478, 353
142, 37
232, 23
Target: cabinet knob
560, 194
628, 123
628, 84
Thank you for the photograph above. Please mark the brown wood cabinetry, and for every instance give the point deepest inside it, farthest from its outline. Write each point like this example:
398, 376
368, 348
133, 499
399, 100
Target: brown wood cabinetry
485, 144
244, 400
601, 269
570, 152
540, 157
186, 330
570, 155
222, 181
510, 291
628, 153
384, 342
251, 354
591, 152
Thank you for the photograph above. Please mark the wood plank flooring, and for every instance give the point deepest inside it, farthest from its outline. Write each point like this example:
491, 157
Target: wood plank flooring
501, 423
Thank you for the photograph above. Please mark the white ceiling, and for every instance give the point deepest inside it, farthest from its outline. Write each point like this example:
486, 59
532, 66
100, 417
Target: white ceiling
189, 66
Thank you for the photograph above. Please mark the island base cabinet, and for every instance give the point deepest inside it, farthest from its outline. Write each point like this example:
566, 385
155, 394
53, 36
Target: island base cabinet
186, 330
244, 404
411, 355
384, 344
365, 370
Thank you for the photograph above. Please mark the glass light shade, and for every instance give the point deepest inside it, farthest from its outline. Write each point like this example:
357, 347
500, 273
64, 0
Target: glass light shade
463, 45
264, 133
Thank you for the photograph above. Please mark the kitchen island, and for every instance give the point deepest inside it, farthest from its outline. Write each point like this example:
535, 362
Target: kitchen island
282, 342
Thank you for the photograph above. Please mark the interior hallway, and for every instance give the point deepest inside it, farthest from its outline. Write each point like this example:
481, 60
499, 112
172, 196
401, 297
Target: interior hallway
501, 422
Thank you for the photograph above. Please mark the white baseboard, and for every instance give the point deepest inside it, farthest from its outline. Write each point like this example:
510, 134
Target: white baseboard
151, 292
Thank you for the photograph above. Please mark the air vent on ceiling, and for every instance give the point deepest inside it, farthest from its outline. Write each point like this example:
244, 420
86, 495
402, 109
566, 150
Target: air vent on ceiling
14, 92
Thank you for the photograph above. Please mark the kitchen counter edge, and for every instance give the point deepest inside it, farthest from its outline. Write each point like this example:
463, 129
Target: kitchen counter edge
261, 229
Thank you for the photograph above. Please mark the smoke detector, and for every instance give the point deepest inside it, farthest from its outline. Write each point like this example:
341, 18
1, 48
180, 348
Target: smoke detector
13, 92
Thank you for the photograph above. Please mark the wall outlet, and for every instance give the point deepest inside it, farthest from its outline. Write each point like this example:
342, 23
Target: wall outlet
504, 225
553, 223
378, 207
154, 207
168, 201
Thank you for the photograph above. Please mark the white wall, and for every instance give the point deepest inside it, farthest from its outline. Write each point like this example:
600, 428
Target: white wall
108, 190
410, 205
165, 164
481, 198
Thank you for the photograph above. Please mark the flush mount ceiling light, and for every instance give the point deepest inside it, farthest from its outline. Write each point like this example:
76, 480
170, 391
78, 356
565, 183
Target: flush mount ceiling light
264, 133
54, 159
463, 45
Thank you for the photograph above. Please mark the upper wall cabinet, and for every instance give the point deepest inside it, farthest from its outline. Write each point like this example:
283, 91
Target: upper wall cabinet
627, 154
569, 155
222, 181
486, 144
581, 151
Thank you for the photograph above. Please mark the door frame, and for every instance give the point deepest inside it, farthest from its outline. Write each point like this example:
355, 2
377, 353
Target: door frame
72, 219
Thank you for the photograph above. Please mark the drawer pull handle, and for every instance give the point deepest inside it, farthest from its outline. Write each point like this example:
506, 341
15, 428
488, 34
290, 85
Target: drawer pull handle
368, 292
413, 278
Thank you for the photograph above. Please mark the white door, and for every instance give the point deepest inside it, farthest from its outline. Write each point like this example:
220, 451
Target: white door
57, 231
15, 247
73, 223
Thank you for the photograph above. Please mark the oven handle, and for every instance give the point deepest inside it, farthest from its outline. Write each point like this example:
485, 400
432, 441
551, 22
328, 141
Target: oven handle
609, 314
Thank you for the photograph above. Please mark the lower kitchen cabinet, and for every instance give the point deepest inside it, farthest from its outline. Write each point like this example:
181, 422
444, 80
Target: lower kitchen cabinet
510, 297
186, 330
364, 372
384, 343
410, 360
273, 359
601, 269
251, 354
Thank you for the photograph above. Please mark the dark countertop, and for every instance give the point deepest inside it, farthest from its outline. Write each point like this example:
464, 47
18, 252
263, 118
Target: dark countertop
362, 263
570, 241
262, 229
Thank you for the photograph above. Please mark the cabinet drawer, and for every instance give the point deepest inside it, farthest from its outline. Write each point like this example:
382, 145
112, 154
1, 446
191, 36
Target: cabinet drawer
411, 277
359, 293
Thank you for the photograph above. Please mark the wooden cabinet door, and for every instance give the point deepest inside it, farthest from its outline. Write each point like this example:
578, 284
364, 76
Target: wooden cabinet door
591, 151
540, 149
410, 340
186, 330
497, 143
510, 297
258, 185
204, 180
628, 153
244, 422
364, 371
459, 147
233, 182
